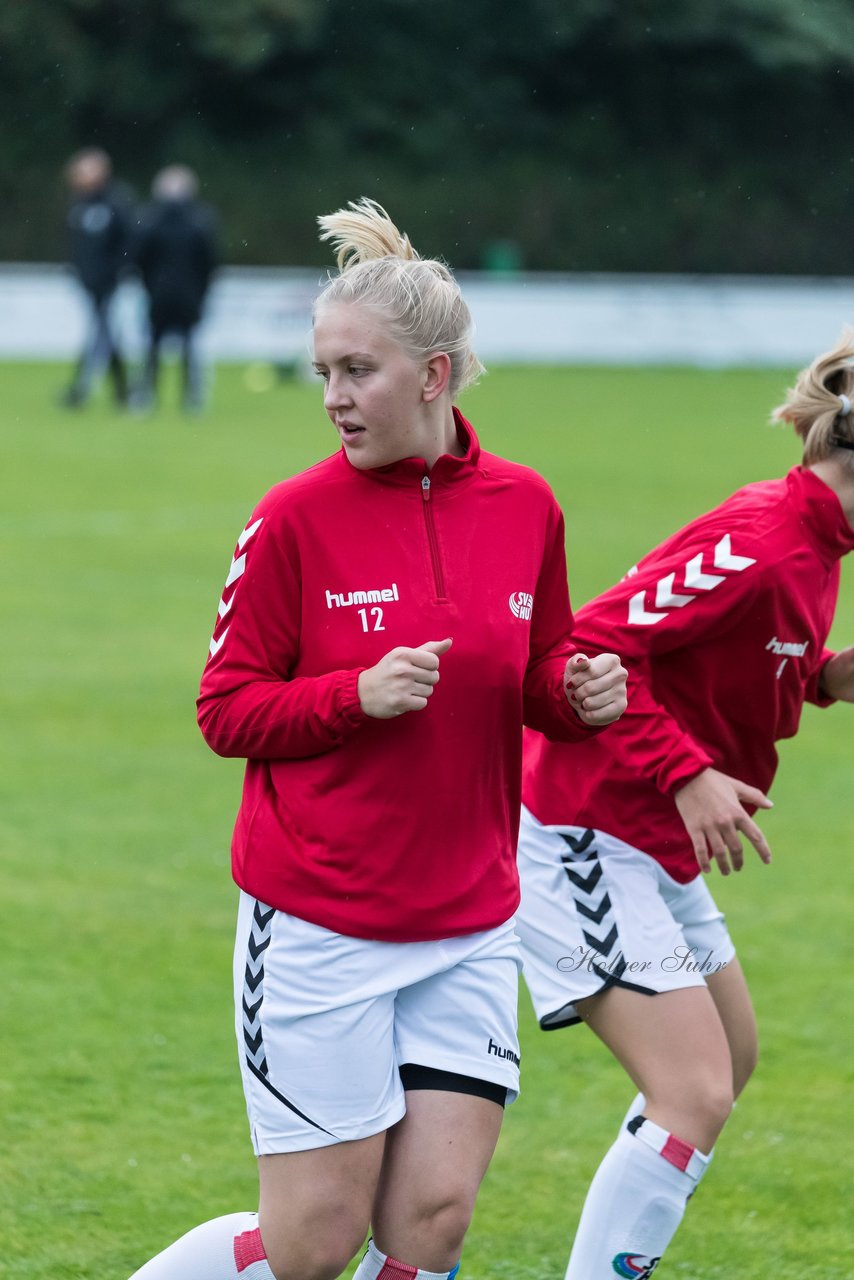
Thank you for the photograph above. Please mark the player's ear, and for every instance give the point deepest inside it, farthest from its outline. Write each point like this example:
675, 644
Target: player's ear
437, 375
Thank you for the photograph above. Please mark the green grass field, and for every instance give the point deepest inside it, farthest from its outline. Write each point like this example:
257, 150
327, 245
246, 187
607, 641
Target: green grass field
122, 1113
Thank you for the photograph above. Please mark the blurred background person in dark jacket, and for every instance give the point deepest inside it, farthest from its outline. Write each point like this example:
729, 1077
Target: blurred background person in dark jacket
99, 223
176, 254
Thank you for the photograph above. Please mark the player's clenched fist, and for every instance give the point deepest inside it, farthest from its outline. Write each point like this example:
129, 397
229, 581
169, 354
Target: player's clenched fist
401, 681
596, 687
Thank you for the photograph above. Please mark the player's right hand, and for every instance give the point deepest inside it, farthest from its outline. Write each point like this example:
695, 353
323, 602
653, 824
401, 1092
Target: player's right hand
711, 807
401, 681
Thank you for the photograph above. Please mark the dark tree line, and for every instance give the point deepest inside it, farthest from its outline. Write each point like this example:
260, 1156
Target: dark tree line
593, 135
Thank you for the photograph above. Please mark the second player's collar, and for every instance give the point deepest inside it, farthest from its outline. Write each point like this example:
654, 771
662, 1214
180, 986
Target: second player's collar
821, 515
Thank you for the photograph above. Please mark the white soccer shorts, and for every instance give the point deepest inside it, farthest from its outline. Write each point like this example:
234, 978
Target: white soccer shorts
598, 913
324, 1021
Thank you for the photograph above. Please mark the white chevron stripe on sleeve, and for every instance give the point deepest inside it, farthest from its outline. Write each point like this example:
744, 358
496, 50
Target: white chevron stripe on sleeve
694, 576
638, 615
224, 606
724, 559
666, 598
248, 532
216, 645
238, 566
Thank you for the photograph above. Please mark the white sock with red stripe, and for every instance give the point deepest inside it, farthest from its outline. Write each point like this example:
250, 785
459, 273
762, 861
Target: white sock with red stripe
635, 1203
226, 1248
638, 1107
379, 1266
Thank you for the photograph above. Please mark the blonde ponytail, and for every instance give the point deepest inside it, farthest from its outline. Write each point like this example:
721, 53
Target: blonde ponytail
418, 297
815, 406
363, 232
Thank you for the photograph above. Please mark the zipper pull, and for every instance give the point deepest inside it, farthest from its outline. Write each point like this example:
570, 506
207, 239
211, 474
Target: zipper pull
425, 488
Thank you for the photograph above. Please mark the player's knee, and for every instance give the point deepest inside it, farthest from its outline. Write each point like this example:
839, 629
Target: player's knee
694, 1110
324, 1263
448, 1216
317, 1257
713, 1104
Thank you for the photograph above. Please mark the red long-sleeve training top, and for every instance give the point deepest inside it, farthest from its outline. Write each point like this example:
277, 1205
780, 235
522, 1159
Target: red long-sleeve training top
722, 628
402, 829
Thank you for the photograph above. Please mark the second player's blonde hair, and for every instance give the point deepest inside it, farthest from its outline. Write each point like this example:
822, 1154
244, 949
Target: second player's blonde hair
417, 297
814, 406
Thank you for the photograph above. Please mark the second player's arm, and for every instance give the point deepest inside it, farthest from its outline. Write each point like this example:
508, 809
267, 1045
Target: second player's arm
649, 738
834, 678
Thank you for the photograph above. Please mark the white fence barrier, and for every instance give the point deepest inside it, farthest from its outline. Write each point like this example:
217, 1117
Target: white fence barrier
263, 314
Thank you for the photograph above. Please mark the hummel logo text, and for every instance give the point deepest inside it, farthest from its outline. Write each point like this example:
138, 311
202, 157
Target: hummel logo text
379, 595
502, 1053
787, 648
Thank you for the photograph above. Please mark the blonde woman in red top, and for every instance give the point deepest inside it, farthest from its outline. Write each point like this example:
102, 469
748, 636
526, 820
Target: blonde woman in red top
723, 628
376, 959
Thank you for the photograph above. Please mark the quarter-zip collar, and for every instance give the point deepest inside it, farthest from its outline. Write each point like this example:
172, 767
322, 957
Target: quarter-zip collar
820, 514
447, 470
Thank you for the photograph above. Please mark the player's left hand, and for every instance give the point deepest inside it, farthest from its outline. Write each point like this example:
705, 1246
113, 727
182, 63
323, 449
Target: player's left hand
596, 687
837, 676
711, 805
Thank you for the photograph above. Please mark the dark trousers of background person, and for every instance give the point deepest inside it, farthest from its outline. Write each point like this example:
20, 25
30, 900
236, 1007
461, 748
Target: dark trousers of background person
185, 333
100, 355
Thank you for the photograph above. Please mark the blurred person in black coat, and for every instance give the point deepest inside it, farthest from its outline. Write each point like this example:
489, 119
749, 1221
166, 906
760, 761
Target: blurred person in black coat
99, 227
176, 254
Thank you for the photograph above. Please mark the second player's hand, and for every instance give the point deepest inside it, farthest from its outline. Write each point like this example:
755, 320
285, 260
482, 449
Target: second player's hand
401, 681
596, 687
711, 807
837, 676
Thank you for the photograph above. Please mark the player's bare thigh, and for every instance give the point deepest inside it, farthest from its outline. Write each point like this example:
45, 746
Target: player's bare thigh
735, 1009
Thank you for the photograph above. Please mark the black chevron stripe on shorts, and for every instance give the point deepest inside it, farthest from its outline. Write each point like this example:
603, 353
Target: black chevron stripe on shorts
592, 902
253, 998
253, 987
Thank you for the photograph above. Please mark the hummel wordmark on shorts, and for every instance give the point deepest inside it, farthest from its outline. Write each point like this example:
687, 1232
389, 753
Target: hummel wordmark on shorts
324, 1021
597, 913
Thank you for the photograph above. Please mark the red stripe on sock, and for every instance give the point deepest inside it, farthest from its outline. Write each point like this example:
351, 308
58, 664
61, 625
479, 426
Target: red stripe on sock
248, 1249
677, 1152
394, 1270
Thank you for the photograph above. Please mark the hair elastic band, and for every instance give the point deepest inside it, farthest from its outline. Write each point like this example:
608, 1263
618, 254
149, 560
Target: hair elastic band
837, 442
846, 406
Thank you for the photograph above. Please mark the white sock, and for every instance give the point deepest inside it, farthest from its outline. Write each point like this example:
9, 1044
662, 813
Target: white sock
226, 1248
636, 1109
635, 1203
379, 1266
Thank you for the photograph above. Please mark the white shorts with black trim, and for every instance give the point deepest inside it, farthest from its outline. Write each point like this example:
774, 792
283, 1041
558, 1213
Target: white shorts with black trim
598, 913
325, 1021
